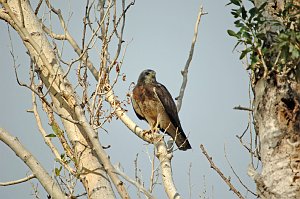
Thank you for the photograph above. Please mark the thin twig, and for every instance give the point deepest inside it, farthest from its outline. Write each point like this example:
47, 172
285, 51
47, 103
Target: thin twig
263, 62
54, 35
18, 181
48, 140
239, 179
138, 185
241, 108
38, 7
188, 62
151, 186
225, 179
190, 180
30, 86
35, 193
249, 149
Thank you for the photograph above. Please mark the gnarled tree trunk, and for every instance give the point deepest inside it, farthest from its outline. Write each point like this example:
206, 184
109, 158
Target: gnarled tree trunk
277, 124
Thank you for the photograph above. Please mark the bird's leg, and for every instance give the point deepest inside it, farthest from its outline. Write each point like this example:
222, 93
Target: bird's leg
156, 124
155, 129
152, 130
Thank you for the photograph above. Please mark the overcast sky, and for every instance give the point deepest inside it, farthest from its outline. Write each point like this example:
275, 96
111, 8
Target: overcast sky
160, 33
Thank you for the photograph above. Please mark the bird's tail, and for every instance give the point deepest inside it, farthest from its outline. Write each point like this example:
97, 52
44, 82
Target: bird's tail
182, 141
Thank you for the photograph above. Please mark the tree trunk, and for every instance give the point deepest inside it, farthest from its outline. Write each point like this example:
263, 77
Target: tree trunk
277, 124
91, 172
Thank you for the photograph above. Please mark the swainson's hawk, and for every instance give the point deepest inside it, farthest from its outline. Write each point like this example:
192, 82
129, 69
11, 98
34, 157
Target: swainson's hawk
153, 102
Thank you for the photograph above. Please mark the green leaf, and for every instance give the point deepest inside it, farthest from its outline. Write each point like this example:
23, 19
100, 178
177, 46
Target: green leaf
236, 2
248, 41
261, 36
294, 52
244, 13
56, 129
231, 33
253, 11
50, 135
245, 52
247, 35
57, 171
240, 25
235, 13
254, 59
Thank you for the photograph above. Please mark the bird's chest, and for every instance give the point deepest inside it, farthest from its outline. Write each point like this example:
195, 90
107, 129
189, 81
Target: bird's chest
148, 103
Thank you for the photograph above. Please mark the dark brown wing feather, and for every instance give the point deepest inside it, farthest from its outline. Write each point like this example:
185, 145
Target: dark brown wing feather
171, 110
169, 105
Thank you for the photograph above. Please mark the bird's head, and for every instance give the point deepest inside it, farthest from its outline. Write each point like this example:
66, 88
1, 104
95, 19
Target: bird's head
147, 76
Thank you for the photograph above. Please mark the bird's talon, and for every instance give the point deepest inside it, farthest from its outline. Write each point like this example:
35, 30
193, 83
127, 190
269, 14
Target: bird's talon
148, 132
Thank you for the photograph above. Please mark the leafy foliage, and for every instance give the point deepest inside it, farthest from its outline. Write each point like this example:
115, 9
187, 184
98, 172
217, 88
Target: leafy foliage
274, 49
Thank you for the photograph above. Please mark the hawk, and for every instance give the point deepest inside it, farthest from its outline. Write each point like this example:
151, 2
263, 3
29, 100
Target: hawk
153, 103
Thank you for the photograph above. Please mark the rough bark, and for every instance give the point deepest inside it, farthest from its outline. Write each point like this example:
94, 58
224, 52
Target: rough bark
277, 124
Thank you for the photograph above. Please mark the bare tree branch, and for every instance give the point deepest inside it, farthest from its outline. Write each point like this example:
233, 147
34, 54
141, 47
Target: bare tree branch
41, 174
139, 186
153, 171
242, 108
165, 158
225, 179
60, 90
82, 53
38, 7
190, 180
121, 114
188, 62
64, 99
236, 175
97, 147
26, 36
48, 140
18, 181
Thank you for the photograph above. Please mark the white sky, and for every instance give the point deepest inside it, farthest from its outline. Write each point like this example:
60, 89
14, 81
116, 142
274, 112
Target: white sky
161, 34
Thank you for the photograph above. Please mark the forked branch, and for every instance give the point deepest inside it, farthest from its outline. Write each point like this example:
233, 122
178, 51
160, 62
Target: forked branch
41, 174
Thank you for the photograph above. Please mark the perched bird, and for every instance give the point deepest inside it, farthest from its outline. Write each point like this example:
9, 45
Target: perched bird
152, 102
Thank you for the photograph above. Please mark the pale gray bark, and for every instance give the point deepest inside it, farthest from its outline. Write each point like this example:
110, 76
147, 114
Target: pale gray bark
92, 174
39, 172
276, 114
277, 122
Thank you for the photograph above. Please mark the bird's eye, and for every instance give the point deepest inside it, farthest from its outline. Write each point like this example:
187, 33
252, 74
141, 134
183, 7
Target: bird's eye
147, 73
